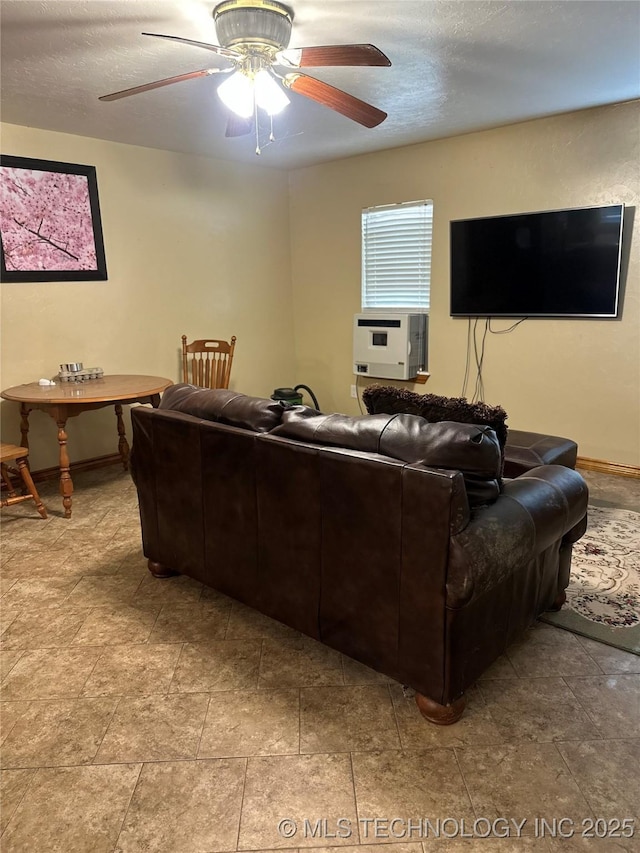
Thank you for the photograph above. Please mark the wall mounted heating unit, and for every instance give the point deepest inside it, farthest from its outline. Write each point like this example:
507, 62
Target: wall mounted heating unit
390, 346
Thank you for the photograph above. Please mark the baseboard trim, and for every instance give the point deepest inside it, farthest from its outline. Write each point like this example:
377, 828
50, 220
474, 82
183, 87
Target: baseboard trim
83, 465
608, 467
114, 458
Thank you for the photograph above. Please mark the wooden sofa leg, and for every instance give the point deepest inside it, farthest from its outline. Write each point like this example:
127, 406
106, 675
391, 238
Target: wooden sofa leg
560, 600
441, 715
160, 571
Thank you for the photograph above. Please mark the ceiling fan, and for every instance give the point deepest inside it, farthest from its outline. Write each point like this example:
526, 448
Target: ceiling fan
254, 38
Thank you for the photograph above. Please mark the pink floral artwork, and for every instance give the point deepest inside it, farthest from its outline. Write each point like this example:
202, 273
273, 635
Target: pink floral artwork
49, 221
46, 221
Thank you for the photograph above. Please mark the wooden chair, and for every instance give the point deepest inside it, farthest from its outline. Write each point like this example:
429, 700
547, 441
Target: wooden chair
9, 452
210, 363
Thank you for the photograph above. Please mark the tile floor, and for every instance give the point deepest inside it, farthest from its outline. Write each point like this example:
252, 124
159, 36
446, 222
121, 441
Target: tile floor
157, 715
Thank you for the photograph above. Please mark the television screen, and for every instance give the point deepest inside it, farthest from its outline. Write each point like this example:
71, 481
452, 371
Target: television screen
558, 263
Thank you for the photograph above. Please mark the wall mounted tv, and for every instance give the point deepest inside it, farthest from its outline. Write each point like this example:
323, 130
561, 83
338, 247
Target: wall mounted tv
557, 263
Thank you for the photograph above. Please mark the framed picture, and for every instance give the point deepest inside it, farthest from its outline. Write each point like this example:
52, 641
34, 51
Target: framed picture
50, 228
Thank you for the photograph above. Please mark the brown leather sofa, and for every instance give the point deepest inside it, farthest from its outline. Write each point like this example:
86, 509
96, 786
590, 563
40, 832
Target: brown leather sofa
386, 537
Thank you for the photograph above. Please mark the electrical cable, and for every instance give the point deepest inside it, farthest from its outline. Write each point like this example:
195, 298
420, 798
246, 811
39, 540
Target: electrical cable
479, 353
477, 360
478, 394
468, 359
505, 331
357, 393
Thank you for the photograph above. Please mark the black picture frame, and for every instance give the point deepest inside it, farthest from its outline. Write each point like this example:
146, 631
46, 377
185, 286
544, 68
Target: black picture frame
62, 206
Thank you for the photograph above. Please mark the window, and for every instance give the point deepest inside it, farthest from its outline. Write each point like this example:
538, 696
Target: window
396, 256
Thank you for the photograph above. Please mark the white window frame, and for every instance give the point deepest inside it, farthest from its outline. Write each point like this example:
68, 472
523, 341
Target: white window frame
396, 257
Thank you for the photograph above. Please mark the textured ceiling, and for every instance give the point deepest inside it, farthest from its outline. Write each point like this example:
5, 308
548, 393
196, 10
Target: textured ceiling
458, 66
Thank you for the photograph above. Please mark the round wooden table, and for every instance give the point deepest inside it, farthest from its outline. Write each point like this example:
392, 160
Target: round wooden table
69, 399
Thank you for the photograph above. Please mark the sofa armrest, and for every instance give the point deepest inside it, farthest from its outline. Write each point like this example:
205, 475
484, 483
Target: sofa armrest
555, 497
534, 511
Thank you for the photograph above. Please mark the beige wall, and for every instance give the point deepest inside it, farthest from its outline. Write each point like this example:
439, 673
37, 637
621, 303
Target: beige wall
209, 248
193, 246
579, 378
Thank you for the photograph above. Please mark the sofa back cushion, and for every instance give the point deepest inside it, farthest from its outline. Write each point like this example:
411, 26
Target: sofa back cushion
471, 449
224, 406
390, 400
306, 424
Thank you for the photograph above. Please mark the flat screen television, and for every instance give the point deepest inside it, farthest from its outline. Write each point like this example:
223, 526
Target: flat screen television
557, 263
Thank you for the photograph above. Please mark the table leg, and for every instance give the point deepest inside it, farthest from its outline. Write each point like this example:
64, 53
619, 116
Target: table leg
123, 446
66, 483
24, 433
24, 424
155, 400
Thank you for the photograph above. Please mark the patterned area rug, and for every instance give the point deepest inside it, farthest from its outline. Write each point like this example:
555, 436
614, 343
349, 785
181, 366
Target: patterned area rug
603, 597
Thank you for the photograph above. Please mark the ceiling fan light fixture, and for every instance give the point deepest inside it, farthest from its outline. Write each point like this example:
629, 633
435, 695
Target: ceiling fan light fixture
258, 22
269, 96
236, 93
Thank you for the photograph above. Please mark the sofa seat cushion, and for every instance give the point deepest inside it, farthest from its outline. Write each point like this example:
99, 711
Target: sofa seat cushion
223, 406
527, 450
473, 450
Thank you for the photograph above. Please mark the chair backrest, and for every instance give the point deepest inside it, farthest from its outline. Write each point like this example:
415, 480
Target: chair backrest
207, 363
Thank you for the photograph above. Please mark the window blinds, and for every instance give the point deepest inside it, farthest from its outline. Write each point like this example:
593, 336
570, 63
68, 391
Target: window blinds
396, 255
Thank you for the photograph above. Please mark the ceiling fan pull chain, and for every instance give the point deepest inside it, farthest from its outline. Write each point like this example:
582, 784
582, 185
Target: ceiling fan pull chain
255, 118
271, 136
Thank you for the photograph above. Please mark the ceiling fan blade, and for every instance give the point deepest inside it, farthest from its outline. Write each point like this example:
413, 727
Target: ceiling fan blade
221, 51
333, 54
237, 126
335, 99
157, 84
